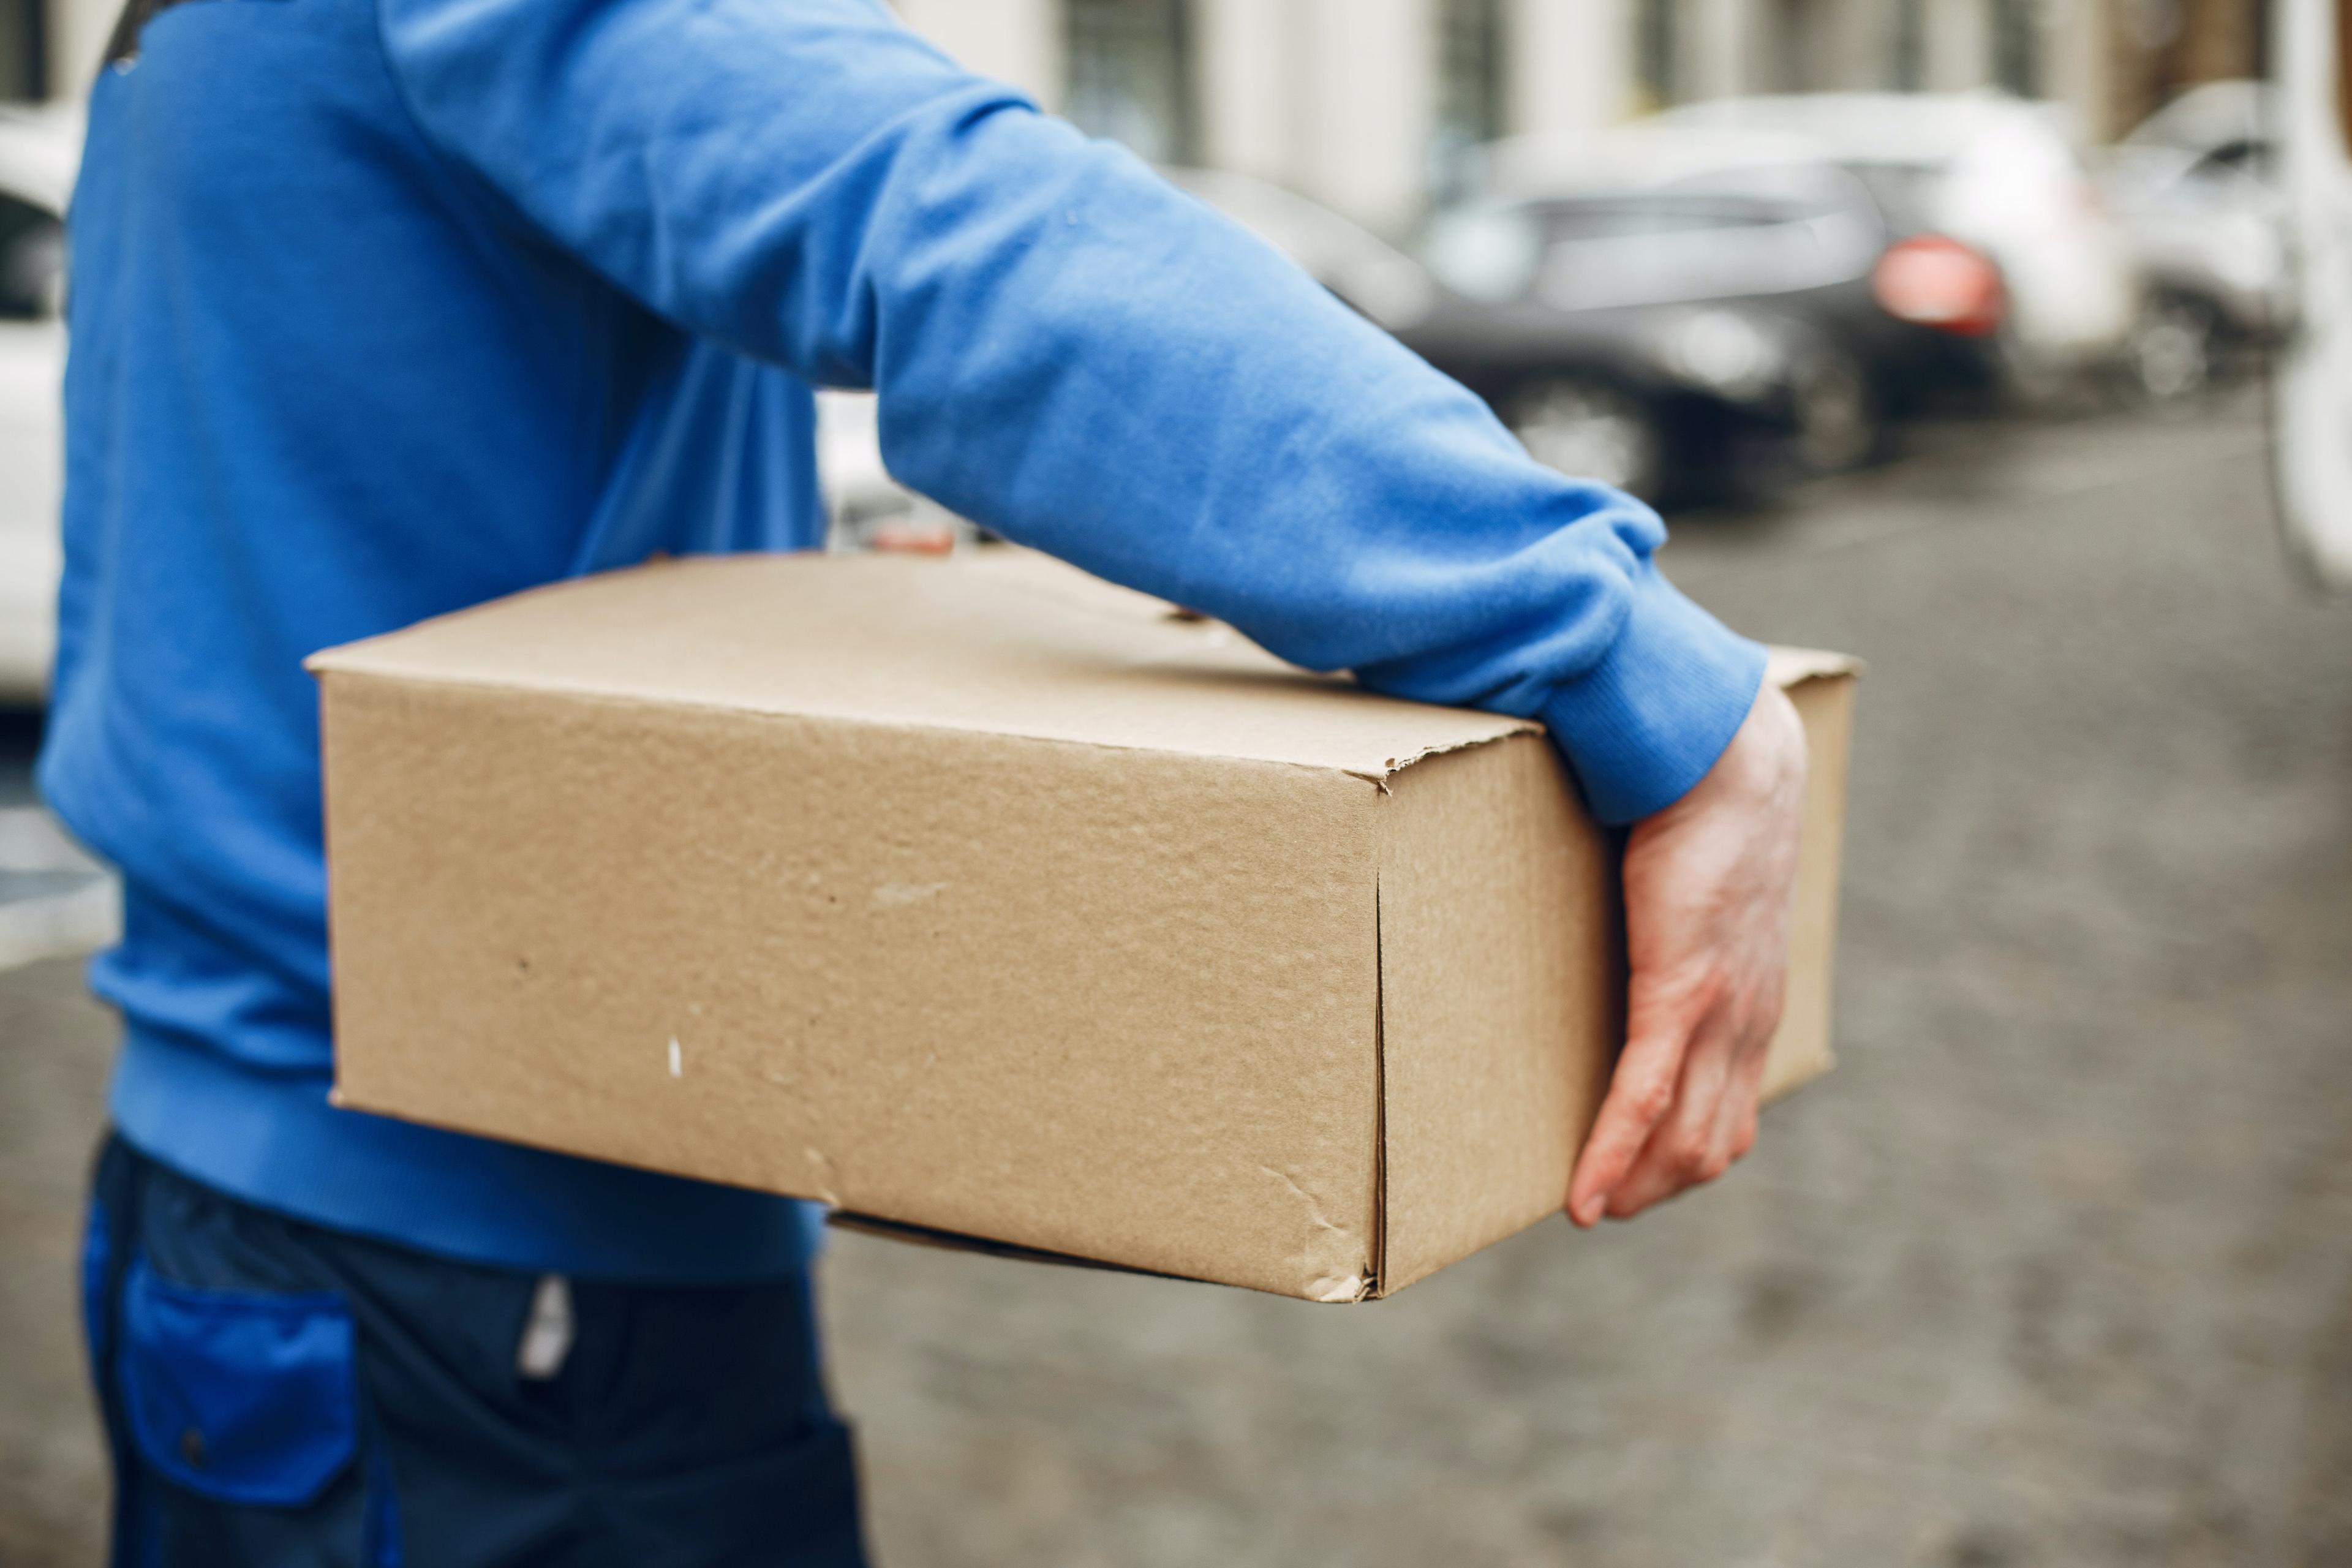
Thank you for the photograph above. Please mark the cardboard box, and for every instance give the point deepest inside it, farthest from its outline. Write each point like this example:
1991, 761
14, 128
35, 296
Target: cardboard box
981, 897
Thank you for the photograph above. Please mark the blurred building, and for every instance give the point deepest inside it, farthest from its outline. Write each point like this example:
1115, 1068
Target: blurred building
1369, 105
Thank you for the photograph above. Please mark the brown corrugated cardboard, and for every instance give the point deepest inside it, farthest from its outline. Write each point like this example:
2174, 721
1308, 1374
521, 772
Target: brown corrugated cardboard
982, 897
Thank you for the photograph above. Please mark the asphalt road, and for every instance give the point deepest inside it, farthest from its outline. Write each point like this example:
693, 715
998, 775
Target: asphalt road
2056, 1269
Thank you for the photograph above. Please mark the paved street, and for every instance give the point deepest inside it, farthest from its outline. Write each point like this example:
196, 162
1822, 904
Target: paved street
2056, 1269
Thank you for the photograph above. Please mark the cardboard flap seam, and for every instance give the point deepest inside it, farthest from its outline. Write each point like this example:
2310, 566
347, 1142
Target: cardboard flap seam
1396, 765
591, 697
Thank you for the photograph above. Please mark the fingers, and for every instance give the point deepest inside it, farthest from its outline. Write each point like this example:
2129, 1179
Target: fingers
1740, 1108
1683, 1148
1640, 1093
1713, 1123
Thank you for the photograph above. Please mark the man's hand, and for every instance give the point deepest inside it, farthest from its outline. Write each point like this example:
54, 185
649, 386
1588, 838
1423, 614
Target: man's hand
1708, 887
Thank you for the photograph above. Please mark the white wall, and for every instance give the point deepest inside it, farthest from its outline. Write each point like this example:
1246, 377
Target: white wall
77, 34
1570, 66
1367, 76
1720, 48
1851, 45
1017, 41
1960, 45
2074, 60
1334, 98
1250, 114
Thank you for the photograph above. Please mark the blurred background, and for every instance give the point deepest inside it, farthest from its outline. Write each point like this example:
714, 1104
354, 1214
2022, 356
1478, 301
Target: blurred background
1939, 326
1704, 248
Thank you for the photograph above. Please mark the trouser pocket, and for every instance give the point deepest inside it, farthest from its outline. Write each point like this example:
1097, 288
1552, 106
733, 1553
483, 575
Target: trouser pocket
241, 1411
265, 1382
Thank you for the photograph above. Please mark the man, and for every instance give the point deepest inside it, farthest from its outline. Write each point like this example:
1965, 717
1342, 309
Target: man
381, 308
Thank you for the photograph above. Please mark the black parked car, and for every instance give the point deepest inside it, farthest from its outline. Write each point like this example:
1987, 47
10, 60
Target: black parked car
1677, 342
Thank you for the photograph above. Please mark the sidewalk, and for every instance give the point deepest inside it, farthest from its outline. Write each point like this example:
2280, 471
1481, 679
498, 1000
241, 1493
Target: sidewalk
55, 1044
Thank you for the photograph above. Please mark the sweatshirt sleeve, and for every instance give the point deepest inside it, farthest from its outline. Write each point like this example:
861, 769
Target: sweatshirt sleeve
1074, 353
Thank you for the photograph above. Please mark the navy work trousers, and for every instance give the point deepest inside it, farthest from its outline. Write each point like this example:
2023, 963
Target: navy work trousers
276, 1395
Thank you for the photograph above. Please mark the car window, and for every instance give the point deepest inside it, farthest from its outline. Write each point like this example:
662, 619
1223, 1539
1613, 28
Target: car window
2242, 152
1746, 232
1906, 193
1599, 255
32, 260
1596, 221
1806, 189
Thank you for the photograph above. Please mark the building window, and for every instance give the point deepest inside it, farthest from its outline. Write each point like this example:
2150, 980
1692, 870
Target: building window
2017, 46
1656, 41
1131, 75
24, 50
1469, 72
1469, 90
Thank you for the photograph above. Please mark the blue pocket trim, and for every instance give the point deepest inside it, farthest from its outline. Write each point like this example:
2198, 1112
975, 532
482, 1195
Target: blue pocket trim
97, 1252
243, 1396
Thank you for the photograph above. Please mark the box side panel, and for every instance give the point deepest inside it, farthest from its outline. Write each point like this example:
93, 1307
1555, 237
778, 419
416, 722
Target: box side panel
1502, 984
1800, 1050
1112, 1003
1501, 969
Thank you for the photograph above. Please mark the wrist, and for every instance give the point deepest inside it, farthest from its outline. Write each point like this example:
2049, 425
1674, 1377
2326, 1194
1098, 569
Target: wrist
1644, 725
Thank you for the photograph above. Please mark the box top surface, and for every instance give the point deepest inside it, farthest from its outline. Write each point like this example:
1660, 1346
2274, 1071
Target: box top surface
1006, 642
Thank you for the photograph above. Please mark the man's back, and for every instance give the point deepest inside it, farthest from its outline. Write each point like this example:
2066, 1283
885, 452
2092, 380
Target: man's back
325, 382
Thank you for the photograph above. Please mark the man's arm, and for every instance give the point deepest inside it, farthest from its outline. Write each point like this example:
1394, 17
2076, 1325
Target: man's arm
1072, 353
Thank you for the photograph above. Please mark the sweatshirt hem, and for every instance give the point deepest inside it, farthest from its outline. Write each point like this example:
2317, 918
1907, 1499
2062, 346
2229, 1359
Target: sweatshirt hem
271, 1140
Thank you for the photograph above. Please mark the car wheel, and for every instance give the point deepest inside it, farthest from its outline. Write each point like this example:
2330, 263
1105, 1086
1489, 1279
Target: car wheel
2172, 349
1837, 427
1590, 430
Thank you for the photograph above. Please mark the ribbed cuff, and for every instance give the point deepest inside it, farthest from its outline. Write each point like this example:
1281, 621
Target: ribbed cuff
1646, 723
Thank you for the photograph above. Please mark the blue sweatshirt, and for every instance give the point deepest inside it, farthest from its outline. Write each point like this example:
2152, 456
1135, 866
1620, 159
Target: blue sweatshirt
382, 308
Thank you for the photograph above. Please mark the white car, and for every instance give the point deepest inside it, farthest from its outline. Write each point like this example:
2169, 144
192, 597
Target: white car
2212, 241
2235, 125
2196, 189
1999, 174
37, 157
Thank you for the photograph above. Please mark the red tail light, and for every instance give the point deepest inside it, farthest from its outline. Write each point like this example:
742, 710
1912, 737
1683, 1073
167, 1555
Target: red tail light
1936, 282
